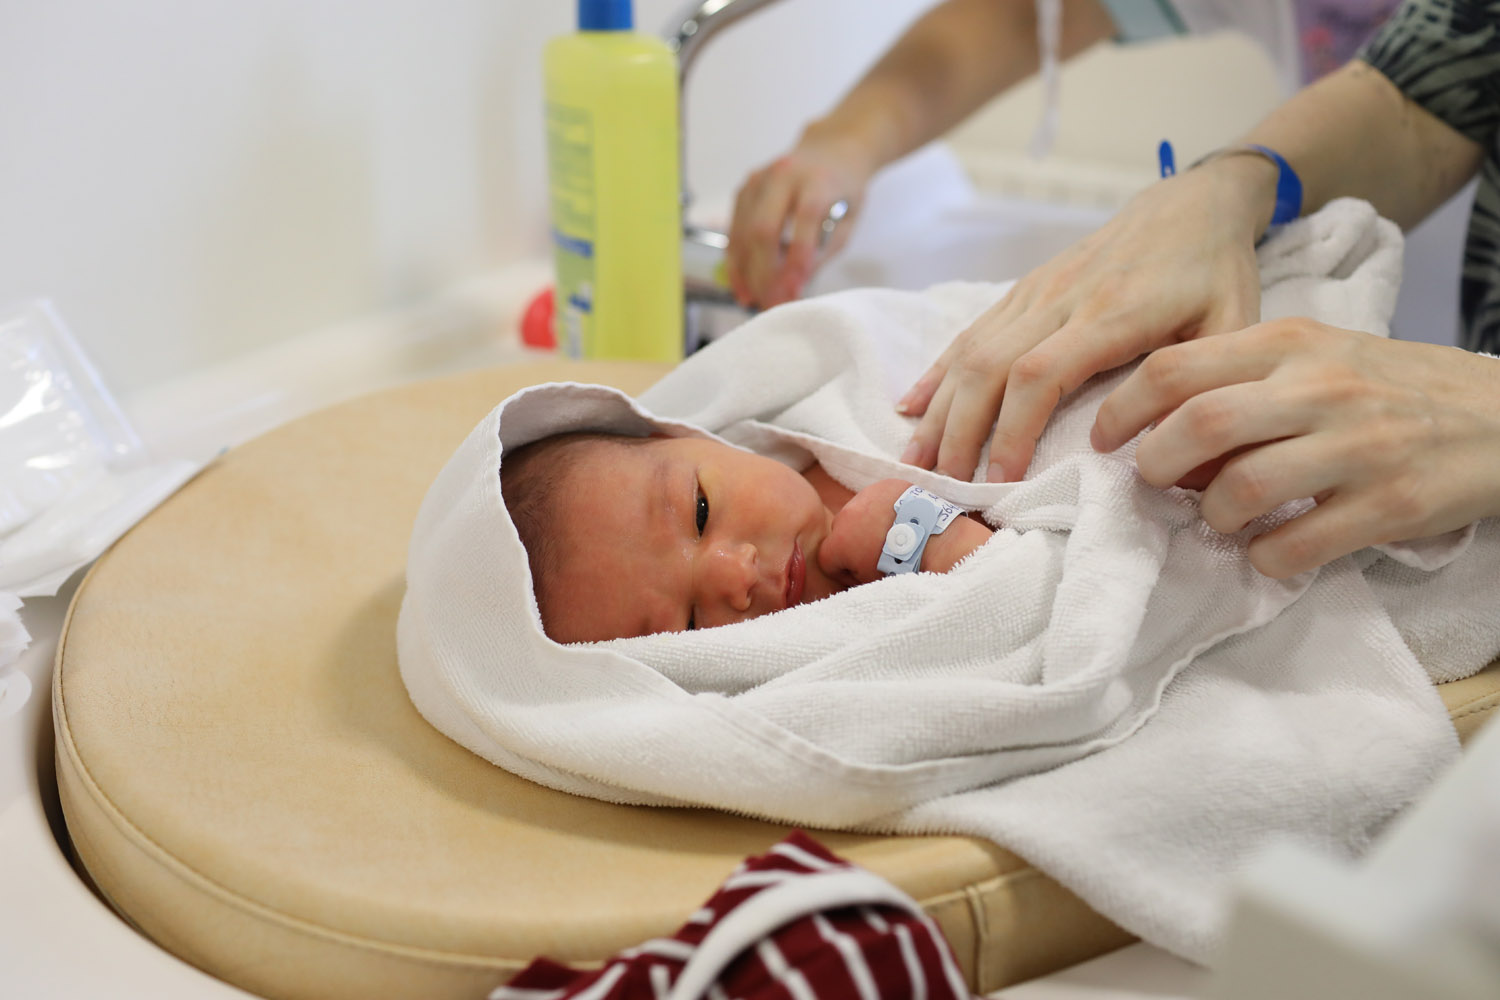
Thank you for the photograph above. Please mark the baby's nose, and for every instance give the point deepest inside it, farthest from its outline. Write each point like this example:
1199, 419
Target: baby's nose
732, 574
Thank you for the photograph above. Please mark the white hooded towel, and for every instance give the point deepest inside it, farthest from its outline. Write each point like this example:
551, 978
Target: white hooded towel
1107, 687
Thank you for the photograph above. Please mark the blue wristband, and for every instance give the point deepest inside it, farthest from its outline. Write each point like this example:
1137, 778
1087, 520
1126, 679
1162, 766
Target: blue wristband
1288, 184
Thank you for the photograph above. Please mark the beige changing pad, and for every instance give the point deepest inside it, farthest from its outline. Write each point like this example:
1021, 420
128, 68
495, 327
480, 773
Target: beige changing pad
245, 780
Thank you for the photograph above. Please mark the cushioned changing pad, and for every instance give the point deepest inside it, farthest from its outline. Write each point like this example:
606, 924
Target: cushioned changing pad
245, 780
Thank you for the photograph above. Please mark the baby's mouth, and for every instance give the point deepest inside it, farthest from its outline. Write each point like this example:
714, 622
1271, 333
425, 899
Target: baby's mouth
796, 575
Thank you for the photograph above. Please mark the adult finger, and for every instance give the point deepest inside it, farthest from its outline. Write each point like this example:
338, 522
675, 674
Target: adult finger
1169, 377
961, 413
979, 383
765, 219
1042, 376
736, 256
1217, 422
1334, 528
799, 251
918, 399
922, 449
1261, 479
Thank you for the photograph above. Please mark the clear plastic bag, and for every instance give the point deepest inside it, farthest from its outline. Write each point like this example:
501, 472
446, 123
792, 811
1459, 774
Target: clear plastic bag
58, 425
74, 475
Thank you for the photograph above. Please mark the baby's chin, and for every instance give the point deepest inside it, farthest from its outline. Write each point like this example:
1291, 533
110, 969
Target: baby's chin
819, 584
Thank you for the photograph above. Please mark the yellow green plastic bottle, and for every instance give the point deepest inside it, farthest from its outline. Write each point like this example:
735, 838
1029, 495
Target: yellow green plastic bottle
612, 156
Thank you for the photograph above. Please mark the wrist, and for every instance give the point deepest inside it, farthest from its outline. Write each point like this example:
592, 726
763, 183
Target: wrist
947, 550
843, 144
1246, 186
864, 137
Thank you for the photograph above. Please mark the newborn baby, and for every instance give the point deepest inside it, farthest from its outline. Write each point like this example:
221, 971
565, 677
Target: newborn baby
627, 536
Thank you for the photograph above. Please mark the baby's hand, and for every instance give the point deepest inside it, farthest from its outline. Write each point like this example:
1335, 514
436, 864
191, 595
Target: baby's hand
852, 549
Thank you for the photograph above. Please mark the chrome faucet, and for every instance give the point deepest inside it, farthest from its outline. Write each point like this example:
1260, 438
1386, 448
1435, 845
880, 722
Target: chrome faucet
708, 304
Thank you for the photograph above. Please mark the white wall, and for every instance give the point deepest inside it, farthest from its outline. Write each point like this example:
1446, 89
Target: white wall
192, 179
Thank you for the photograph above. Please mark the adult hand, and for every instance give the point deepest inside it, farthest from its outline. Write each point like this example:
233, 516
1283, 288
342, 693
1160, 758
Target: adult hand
1177, 263
792, 195
1394, 440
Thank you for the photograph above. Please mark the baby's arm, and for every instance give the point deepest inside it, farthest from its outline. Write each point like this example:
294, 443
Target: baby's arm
852, 549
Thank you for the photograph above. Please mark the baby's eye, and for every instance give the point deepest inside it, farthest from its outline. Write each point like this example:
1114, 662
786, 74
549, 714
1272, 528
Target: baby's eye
702, 512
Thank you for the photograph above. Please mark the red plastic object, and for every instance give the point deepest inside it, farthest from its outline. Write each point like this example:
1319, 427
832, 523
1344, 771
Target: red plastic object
536, 322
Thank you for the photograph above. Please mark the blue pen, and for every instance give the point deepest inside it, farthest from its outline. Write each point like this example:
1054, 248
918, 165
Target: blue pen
1164, 156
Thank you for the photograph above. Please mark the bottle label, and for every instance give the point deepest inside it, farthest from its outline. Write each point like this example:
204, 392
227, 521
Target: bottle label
570, 151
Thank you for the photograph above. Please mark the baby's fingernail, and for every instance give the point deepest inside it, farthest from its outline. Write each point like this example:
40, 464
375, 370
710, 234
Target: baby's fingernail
996, 473
910, 455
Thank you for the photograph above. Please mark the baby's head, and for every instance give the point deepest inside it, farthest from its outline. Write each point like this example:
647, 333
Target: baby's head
632, 535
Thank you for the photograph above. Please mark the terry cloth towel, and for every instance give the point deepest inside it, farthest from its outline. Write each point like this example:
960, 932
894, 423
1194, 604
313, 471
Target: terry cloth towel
1107, 687
13, 635
797, 921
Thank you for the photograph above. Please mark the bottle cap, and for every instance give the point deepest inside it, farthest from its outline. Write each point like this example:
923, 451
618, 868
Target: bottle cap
605, 15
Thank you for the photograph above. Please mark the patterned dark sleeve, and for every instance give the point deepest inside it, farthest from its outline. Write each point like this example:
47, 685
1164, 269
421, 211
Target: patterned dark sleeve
1445, 56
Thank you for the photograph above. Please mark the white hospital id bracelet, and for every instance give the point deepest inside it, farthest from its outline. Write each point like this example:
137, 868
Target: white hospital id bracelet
919, 515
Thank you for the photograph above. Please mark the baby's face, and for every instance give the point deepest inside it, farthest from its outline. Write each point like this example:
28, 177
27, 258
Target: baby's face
679, 533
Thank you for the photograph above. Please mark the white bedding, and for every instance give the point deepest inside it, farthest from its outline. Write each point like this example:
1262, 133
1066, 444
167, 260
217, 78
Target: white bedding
1107, 687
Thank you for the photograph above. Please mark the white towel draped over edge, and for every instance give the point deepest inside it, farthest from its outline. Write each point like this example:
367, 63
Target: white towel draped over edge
1107, 687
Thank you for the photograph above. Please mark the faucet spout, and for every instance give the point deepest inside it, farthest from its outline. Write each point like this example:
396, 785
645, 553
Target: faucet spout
705, 291
686, 33
700, 20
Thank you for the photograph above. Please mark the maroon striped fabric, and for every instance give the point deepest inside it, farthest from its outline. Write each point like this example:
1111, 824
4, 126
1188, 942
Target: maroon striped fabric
851, 944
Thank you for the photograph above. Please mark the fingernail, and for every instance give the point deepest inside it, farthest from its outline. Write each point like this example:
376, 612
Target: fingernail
996, 474
903, 405
910, 455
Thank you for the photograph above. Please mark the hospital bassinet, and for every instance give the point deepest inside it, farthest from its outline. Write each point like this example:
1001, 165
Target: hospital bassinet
244, 779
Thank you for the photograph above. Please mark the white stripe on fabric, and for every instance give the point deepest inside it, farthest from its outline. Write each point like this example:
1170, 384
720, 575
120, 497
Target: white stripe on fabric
716, 992
853, 956
913, 963
777, 906
524, 993
805, 858
661, 947
749, 879
875, 920
661, 981
795, 982
703, 915
951, 970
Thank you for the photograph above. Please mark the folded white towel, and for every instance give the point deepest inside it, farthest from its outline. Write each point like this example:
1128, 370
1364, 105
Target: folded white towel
13, 635
1108, 687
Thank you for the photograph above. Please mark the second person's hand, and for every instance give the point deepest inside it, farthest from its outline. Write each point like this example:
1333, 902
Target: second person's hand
1395, 440
1177, 263
788, 199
